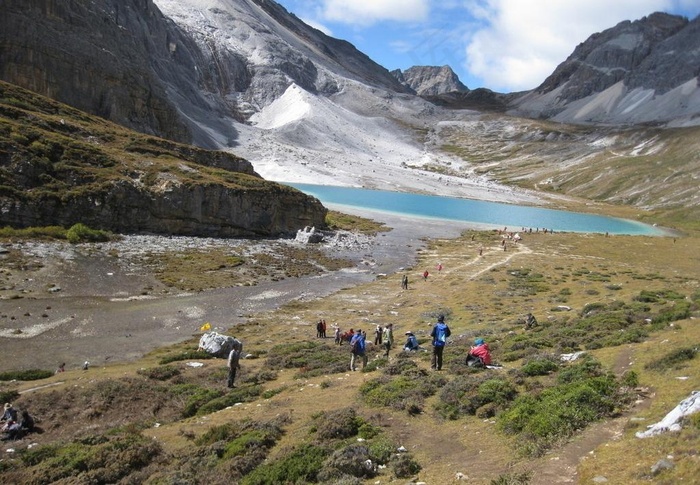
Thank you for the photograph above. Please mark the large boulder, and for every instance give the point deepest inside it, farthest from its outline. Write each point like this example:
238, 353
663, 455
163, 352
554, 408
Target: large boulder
218, 345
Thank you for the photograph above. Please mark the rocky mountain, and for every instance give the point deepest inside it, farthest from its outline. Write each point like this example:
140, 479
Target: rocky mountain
190, 80
246, 76
59, 166
430, 80
636, 72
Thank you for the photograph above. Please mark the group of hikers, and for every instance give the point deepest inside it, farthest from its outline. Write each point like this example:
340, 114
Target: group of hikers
479, 354
14, 424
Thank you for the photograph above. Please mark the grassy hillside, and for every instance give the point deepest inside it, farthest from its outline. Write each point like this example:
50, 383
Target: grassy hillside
298, 415
651, 169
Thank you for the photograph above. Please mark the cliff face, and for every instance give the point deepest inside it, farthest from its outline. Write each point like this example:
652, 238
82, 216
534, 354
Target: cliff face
107, 58
430, 80
173, 208
59, 166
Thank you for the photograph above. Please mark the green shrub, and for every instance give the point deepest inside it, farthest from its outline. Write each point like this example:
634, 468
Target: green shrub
260, 377
512, 479
381, 450
223, 432
497, 391
585, 368
404, 466
189, 355
311, 358
337, 424
630, 379
558, 412
25, 375
539, 367
675, 359
8, 396
403, 392
81, 233
302, 465
195, 397
238, 395
160, 373
97, 460
349, 460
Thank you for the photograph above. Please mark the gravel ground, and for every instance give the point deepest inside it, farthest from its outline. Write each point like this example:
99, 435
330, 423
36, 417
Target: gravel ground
81, 304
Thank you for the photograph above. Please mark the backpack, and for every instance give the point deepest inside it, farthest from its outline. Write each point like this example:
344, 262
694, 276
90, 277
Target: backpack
440, 335
474, 361
358, 346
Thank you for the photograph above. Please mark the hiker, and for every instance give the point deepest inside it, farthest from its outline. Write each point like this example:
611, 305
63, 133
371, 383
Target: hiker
319, 329
425, 275
357, 349
336, 334
233, 361
411, 342
61, 368
439, 267
323, 328
10, 413
530, 321
347, 336
404, 282
479, 355
378, 332
440, 333
15, 430
388, 338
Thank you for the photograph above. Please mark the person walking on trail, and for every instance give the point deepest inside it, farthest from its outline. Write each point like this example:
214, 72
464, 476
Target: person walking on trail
388, 338
404, 282
439, 334
357, 349
336, 334
233, 361
425, 275
378, 334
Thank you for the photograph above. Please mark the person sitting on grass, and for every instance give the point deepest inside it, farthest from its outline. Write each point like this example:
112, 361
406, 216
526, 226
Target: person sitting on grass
411, 342
479, 355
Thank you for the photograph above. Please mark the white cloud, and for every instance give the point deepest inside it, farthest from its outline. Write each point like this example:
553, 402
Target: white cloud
318, 26
369, 12
522, 41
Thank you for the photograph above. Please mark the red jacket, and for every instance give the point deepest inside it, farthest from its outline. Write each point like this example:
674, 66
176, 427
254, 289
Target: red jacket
482, 351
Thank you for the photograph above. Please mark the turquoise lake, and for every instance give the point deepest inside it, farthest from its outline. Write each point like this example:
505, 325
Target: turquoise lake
496, 214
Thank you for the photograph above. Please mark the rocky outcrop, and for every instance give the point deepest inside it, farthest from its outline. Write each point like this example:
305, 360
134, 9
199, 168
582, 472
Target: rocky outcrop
636, 72
430, 80
59, 166
170, 208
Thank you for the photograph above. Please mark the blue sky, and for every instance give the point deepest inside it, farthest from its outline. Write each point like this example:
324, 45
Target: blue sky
504, 45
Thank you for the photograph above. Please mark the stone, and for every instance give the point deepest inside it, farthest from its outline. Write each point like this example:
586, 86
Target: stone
661, 465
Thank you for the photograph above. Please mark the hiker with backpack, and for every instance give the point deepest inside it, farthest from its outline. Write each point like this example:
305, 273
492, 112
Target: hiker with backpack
479, 355
439, 334
357, 349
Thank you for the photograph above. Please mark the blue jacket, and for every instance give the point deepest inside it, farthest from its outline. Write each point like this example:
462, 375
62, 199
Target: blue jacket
440, 333
358, 343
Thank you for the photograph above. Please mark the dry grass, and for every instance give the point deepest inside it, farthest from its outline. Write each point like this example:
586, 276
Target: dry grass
481, 296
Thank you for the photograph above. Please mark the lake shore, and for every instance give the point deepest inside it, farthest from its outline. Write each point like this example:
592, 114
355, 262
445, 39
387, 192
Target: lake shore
79, 304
